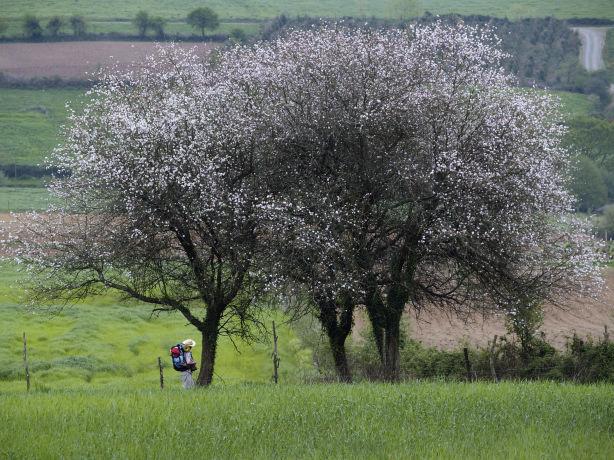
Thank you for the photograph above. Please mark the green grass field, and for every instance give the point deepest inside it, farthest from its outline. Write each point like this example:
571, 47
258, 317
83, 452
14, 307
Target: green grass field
30, 122
420, 420
576, 104
107, 340
176, 9
18, 199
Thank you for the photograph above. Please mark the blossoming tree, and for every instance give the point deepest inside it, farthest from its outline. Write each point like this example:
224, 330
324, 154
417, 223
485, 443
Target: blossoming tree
369, 168
437, 181
162, 199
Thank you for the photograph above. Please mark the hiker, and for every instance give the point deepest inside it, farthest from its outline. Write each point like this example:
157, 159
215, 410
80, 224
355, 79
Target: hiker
184, 362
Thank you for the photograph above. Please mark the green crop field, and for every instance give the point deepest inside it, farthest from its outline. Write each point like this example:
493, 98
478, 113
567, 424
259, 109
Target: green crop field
420, 420
30, 122
175, 9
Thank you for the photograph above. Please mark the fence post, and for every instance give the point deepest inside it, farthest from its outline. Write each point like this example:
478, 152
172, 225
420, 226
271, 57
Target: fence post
606, 334
467, 364
275, 356
492, 360
25, 362
161, 373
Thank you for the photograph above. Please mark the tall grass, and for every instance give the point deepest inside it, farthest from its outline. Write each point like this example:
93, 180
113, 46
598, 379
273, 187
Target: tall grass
421, 420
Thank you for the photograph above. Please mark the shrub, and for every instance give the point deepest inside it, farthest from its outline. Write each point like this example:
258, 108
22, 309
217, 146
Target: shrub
32, 27
54, 26
238, 35
78, 26
158, 24
141, 22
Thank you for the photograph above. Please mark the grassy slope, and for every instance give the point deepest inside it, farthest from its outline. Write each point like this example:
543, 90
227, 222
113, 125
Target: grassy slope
29, 123
421, 420
109, 341
576, 104
176, 9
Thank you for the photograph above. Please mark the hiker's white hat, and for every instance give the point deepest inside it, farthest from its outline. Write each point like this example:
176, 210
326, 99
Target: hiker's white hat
189, 343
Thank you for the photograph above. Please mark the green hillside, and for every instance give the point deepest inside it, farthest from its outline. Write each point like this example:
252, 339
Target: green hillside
175, 9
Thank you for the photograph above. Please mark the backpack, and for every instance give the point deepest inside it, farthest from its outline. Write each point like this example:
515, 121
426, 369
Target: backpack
178, 358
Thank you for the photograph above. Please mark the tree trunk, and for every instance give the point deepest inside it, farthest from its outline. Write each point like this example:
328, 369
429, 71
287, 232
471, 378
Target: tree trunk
336, 318
397, 298
337, 346
209, 346
375, 310
392, 348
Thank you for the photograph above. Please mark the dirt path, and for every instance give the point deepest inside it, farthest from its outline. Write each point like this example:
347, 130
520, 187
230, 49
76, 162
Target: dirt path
591, 52
75, 59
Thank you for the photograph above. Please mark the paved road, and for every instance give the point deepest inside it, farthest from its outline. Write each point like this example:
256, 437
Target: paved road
591, 52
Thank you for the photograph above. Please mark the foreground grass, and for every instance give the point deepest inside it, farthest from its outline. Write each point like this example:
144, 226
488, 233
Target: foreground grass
421, 420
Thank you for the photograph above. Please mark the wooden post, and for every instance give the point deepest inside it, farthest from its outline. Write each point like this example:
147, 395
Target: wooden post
275, 356
606, 334
467, 364
492, 360
161, 373
25, 362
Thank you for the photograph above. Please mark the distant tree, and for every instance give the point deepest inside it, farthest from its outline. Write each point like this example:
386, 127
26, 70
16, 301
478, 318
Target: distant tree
4, 25
594, 137
32, 27
54, 26
157, 24
78, 26
203, 18
141, 22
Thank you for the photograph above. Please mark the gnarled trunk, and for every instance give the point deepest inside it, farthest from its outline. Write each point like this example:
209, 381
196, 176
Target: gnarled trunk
337, 346
392, 343
336, 318
210, 333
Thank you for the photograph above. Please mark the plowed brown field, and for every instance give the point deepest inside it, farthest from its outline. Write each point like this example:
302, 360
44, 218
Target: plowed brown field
74, 60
